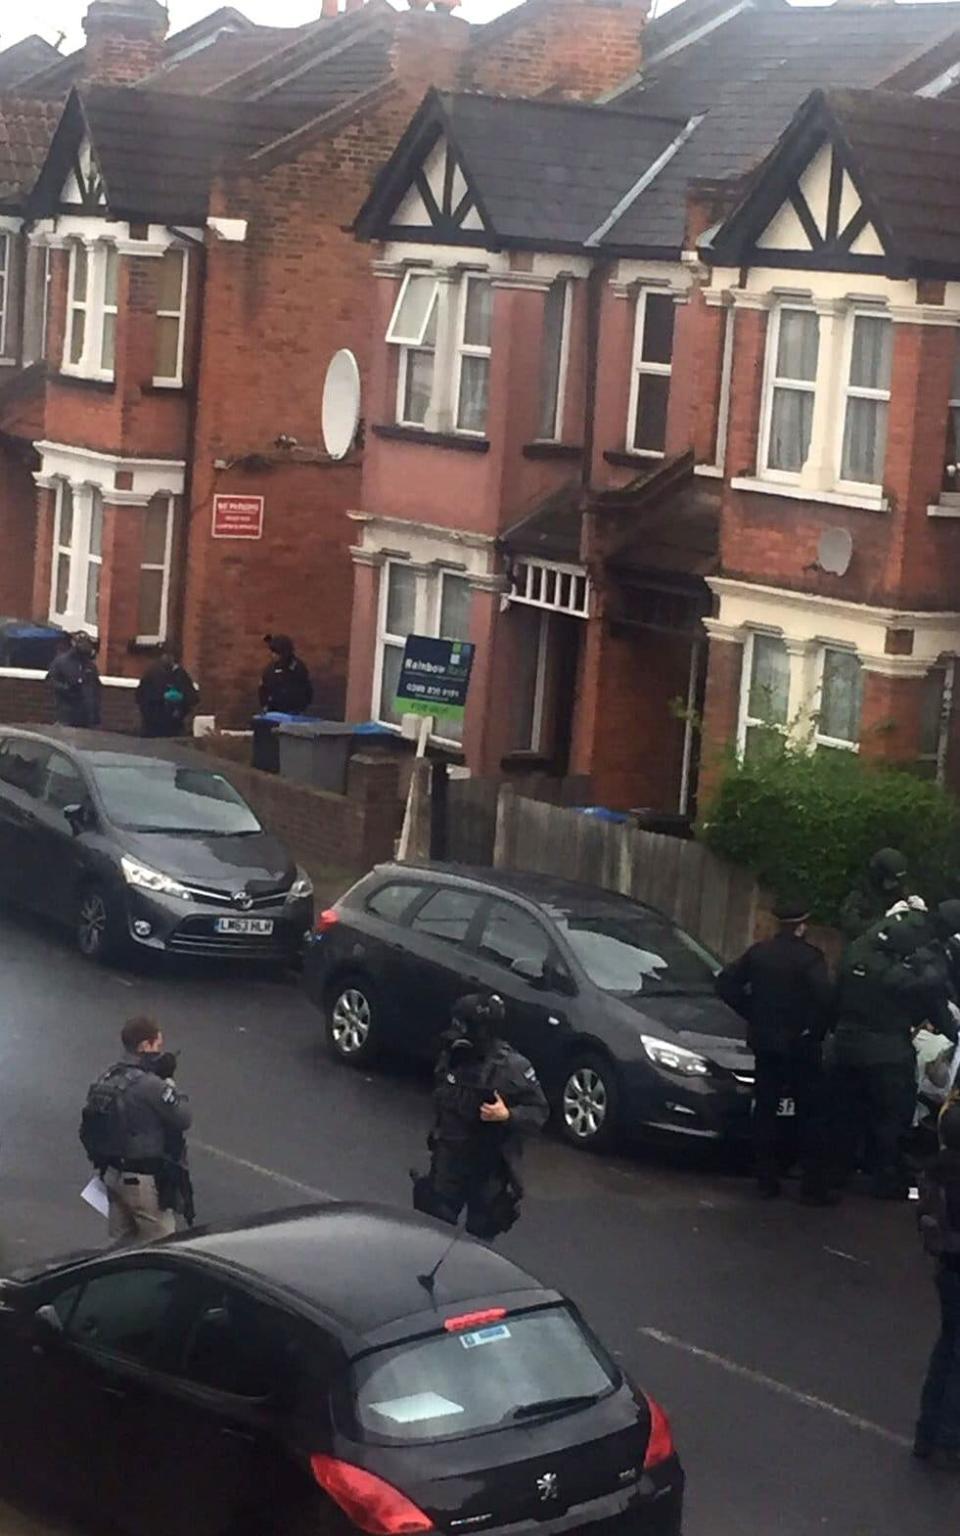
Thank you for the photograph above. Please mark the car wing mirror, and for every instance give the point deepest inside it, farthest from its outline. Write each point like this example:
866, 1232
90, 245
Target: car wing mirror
529, 970
49, 1319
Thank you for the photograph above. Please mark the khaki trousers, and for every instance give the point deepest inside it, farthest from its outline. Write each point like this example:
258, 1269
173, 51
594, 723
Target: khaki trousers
135, 1215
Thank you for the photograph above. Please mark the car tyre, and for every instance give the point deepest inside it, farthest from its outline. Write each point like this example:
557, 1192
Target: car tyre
98, 929
588, 1102
353, 1020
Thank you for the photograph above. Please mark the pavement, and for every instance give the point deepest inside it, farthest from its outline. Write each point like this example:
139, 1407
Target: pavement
788, 1344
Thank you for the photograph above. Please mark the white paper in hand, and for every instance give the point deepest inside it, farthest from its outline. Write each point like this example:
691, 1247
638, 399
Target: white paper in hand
95, 1194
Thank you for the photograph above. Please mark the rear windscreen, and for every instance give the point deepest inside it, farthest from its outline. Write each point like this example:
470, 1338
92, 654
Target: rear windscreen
454, 1384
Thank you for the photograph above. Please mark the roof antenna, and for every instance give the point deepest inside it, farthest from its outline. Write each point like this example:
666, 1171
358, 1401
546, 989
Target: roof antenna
429, 1280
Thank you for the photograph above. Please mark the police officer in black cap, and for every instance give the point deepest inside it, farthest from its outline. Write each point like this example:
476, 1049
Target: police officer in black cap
885, 886
782, 988
487, 1100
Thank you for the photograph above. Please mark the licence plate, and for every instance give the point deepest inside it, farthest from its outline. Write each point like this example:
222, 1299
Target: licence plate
262, 926
786, 1108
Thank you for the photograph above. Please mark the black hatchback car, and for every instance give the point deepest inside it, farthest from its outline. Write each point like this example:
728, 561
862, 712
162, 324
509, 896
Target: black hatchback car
612, 1003
141, 845
321, 1372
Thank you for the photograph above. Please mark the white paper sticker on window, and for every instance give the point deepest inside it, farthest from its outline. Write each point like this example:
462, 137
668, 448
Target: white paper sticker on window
485, 1336
416, 1408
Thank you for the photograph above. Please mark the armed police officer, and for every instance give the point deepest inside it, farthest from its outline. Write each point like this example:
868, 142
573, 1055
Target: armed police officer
131, 1118
885, 887
888, 987
487, 1101
783, 990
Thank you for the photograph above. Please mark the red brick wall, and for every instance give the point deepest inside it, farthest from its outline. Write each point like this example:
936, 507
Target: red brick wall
721, 705
28, 701
891, 720
18, 520
574, 49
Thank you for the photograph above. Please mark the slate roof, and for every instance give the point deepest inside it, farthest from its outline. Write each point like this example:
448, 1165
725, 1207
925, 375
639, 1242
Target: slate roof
214, 66
23, 59
751, 74
544, 173
552, 530
26, 129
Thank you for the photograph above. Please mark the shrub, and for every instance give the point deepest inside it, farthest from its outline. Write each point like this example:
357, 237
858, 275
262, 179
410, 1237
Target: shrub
809, 822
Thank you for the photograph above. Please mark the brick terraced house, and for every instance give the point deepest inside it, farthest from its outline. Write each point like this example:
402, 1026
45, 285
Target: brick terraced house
659, 398
178, 272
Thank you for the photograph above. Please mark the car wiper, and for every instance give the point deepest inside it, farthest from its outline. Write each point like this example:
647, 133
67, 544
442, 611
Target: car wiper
554, 1405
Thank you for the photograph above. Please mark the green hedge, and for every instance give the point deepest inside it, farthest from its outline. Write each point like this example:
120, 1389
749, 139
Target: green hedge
807, 822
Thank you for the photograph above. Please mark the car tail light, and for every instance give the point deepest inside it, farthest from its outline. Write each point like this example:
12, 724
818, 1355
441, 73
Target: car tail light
373, 1505
327, 920
660, 1444
474, 1319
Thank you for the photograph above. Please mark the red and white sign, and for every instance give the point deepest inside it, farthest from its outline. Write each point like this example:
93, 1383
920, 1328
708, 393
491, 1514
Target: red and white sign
238, 517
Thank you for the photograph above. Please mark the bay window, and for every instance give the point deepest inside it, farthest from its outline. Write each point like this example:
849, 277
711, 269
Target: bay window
553, 359
36, 303
840, 700
650, 377
155, 564
472, 383
414, 601
170, 317
441, 327
92, 288
413, 328
6, 264
765, 694
792, 383
867, 399
77, 557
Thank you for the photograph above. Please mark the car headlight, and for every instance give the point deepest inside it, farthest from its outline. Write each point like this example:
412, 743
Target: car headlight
301, 888
676, 1058
151, 880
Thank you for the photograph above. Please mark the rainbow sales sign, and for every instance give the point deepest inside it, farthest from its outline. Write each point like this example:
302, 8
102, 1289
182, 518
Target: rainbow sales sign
434, 677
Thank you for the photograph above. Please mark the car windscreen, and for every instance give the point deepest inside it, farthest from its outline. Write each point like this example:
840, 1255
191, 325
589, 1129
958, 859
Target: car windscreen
629, 950
453, 1384
167, 797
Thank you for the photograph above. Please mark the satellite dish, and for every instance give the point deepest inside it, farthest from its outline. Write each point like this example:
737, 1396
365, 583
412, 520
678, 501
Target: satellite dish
340, 413
835, 551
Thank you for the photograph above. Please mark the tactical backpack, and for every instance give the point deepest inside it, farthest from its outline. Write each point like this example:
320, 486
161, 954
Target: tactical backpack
102, 1126
937, 1232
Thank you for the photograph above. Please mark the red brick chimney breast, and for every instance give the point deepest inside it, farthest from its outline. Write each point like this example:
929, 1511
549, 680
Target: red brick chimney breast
124, 40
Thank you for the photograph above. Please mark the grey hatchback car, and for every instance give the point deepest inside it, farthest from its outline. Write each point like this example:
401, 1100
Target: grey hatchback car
612, 1002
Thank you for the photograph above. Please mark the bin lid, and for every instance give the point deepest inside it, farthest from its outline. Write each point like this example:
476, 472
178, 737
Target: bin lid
24, 629
315, 729
277, 717
601, 812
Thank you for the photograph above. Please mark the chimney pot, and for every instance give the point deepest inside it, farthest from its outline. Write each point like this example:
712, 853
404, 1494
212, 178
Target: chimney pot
330, 8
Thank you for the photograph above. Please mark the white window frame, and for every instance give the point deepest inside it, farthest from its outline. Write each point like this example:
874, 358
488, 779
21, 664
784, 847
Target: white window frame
74, 616
773, 381
746, 721
639, 368
96, 309
563, 361
46, 278
859, 392
175, 380
723, 403
93, 559
444, 575
820, 739
464, 349
413, 342
166, 568
386, 637
6, 248
60, 548
535, 745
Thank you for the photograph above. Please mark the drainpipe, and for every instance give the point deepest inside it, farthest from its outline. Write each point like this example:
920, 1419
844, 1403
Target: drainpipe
595, 285
197, 247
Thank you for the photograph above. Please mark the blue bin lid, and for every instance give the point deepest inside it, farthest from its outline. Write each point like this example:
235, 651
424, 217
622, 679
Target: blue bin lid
307, 726
17, 629
277, 717
601, 812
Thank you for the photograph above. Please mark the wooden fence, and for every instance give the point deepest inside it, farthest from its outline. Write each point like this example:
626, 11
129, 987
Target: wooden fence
714, 901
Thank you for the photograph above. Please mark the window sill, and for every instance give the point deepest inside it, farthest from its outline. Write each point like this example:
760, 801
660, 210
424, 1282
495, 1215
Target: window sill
85, 381
458, 441
709, 471
10, 362
944, 509
546, 448
793, 492
140, 647
162, 387
630, 458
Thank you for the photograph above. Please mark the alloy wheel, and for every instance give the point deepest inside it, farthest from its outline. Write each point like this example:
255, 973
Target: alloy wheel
585, 1103
92, 924
350, 1021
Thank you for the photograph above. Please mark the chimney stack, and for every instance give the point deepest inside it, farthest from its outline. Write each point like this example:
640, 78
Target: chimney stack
124, 40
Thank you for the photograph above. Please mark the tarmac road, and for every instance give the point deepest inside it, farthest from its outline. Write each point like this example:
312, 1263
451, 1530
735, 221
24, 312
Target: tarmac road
787, 1344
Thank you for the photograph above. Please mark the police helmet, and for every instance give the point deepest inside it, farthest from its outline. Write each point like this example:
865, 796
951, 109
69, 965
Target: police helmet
902, 940
948, 918
888, 869
479, 1011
